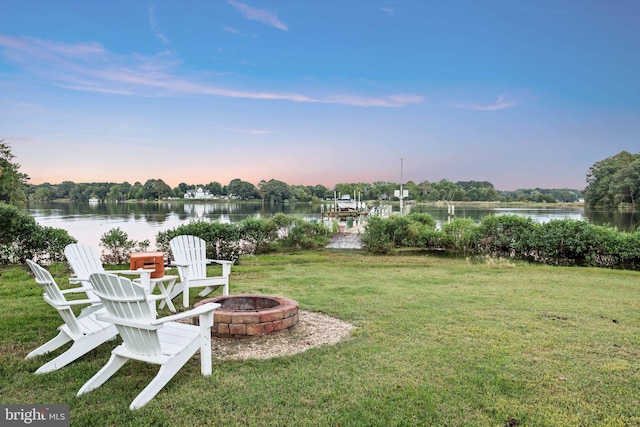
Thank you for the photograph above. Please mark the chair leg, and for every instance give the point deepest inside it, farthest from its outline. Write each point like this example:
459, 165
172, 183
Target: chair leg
79, 348
206, 322
206, 291
60, 340
185, 295
115, 362
166, 372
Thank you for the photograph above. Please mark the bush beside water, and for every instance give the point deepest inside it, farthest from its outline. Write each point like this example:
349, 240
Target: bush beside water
251, 236
22, 238
565, 242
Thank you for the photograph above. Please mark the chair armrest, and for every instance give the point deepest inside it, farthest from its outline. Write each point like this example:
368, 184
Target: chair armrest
82, 289
69, 303
105, 317
131, 272
226, 266
178, 264
220, 261
204, 308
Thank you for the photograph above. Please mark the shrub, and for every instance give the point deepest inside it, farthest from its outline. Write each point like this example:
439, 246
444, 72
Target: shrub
558, 242
258, 235
460, 234
21, 238
252, 235
629, 250
415, 230
118, 247
305, 235
573, 242
223, 240
376, 239
501, 235
424, 219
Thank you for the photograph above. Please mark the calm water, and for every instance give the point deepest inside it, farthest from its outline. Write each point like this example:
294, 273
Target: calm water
88, 222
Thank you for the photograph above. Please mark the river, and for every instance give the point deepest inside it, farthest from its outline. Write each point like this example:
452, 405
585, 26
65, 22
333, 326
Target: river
87, 222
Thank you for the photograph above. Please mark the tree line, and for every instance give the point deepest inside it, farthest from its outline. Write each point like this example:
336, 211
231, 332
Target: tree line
275, 191
14, 187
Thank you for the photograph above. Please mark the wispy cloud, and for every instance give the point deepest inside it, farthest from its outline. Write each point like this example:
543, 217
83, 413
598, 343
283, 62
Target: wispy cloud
154, 25
249, 131
261, 15
499, 104
232, 30
90, 67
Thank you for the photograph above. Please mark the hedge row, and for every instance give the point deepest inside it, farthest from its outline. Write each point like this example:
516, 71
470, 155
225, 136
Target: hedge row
250, 236
557, 242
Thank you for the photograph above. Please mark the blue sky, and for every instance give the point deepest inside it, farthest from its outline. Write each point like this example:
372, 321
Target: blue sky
522, 94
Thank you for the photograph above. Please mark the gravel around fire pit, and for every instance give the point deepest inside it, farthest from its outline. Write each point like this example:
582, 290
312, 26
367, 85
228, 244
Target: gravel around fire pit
312, 330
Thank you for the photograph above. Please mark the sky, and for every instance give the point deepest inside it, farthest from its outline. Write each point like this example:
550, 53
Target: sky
522, 94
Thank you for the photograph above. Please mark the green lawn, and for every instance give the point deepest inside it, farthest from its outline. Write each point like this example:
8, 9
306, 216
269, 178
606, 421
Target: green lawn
439, 341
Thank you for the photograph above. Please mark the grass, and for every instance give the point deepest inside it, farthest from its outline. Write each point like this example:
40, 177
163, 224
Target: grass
439, 342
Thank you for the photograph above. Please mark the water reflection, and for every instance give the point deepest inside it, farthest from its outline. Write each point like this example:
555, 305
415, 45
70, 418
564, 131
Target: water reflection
88, 222
623, 219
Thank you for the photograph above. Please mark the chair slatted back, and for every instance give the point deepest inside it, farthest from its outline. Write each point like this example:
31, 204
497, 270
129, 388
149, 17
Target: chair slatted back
54, 297
129, 309
190, 250
84, 260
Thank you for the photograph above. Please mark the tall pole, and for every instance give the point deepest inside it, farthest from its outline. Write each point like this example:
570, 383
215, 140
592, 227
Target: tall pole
401, 194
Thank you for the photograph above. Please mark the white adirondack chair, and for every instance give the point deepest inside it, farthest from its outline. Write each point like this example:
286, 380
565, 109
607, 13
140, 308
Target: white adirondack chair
84, 261
85, 330
159, 341
190, 258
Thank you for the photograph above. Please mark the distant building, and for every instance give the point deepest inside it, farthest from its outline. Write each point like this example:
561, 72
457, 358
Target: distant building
199, 193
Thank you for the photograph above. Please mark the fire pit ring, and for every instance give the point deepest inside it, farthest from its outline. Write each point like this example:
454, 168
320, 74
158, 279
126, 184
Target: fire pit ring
251, 315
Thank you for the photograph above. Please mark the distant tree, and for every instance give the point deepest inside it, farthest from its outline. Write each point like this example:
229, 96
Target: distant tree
318, 191
13, 183
627, 182
156, 189
44, 192
115, 193
434, 195
136, 192
413, 189
610, 182
447, 189
100, 190
275, 191
350, 189
125, 188
64, 190
300, 193
242, 189
382, 189
214, 188
78, 193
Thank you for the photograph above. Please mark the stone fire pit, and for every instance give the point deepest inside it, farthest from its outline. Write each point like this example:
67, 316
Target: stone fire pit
249, 315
